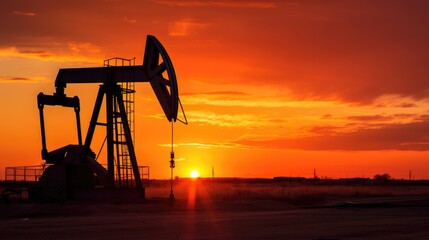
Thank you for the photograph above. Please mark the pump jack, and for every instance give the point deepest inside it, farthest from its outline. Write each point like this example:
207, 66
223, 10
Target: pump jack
74, 166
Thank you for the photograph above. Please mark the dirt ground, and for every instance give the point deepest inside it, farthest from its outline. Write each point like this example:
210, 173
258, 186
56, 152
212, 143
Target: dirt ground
399, 217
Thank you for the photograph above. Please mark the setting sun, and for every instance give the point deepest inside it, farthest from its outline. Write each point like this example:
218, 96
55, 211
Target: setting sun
194, 174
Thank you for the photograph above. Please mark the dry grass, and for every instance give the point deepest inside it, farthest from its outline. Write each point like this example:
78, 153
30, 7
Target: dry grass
298, 194
239, 191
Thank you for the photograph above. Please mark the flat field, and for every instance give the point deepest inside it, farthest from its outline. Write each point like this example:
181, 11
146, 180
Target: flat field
231, 210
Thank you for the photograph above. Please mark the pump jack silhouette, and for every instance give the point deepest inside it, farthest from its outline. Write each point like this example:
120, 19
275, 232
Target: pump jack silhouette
74, 167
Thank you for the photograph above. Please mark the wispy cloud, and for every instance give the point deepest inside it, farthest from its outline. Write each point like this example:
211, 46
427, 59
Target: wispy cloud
185, 27
230, 120
26, 14
204, 99
73, 54
10, 79
406, 105
215, 93
367, 118
130, 20
223, 4
382, 117
402, 137
83, 48
205, 145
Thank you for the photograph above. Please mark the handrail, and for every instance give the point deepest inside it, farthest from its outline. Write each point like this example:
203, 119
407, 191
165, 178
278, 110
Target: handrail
24, 173
34, 172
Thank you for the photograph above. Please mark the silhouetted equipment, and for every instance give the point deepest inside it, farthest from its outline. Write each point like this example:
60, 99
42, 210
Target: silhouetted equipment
76, 166
172, 166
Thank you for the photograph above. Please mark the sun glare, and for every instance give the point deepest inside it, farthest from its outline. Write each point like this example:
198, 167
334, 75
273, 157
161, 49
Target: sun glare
194, 174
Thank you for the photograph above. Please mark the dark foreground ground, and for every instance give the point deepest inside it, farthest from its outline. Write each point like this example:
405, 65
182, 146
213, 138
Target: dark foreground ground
231, 211
377, 218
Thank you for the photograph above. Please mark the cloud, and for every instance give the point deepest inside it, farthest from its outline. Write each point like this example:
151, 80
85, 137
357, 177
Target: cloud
403, 137
326, 116
26, 14
216, 100
71, 56
336, 56
398, 101
130, 20
400, 137
325, 130
9, 79
204, 145
382, 117
406, 105
366, 118
216, 93
83, 48
222, 4
230, 120
351, 52
185, 27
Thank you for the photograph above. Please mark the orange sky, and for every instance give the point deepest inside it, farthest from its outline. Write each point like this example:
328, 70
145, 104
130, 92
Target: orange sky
270, 88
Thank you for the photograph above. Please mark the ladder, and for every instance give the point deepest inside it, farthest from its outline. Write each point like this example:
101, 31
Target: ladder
123, 168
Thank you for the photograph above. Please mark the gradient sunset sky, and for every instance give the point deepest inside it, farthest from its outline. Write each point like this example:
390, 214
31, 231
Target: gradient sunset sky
270, 88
